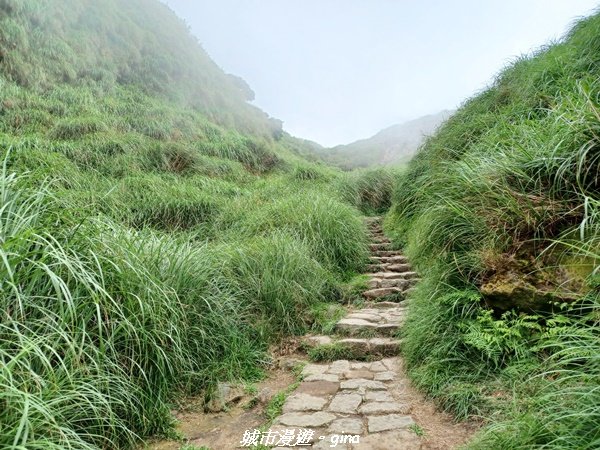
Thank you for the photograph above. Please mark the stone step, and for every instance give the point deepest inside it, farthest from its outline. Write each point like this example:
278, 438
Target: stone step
359, 348
401, 271
382, 292
387, 253
387, 275
356, 399
380, 240
375, 283
371, 268
399, 267
381, 321
357, 327
380, 246
396, 258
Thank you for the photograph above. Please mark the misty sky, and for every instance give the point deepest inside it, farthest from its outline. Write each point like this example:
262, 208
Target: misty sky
340, 70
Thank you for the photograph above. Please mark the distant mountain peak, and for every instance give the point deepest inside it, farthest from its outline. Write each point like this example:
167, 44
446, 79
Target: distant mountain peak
392, 145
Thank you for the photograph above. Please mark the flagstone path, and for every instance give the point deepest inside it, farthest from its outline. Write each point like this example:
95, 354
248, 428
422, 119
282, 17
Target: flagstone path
361, 404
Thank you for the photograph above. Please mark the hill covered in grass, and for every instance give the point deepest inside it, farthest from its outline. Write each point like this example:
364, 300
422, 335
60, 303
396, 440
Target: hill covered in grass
157, 232
500, 212
391, 146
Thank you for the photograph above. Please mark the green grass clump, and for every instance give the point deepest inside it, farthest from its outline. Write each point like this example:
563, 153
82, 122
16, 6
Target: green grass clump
332, 230
370, 190
506, 194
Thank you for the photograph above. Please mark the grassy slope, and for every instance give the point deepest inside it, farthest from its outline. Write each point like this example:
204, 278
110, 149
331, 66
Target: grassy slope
157, 233
506, 197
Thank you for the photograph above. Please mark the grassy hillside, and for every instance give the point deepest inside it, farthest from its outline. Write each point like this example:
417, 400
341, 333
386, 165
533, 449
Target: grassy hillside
500, 212
391, 146
157, 232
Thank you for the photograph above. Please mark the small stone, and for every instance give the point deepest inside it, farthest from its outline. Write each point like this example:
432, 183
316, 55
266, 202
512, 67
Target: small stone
315, 341
360, 382
387, 328
345, 403
364, 316
379, 396
383, 408
223, 396
308, 420
384, 346
346, 426
389, 422
265, 395
352, 325
409, 275
313, 369
290, 363
318, 388
357, 346
378, 366
391, 363
381, 292
339, 366
385, 305
360, 365
323, 377
304, 402
374, 283
353, 374
385, 376
399, 283
387, 276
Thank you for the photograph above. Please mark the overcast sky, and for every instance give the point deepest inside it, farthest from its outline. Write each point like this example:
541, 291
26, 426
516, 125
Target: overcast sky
340, 70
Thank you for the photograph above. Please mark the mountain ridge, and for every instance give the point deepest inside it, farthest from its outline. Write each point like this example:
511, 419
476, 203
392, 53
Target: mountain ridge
392, 145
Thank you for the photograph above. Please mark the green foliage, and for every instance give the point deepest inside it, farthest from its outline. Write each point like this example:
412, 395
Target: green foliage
157, 233
326, 315
137, 43
370, 190
508, 189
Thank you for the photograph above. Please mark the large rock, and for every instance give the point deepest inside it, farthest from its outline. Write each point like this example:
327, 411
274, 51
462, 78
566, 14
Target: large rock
383, 408
516, 293
347, 425
224, 396
345, 403
389, 422
381, 292
304, 402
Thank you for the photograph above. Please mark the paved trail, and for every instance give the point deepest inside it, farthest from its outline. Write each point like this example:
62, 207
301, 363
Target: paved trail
365, 405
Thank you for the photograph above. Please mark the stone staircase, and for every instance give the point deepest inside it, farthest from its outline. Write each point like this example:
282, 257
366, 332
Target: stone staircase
369, 331
360, 402
390, 273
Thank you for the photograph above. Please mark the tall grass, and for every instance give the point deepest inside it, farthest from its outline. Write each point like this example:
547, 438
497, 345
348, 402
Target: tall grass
507, 191
102, 326
160, 233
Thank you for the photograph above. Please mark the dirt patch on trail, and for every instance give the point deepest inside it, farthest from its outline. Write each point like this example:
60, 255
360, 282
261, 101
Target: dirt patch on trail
440, 431
224, 430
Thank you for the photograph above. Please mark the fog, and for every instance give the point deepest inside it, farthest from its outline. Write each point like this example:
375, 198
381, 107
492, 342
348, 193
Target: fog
340, 70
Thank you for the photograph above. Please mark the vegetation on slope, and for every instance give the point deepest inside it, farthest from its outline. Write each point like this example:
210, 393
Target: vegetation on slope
157, 233
499, 210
